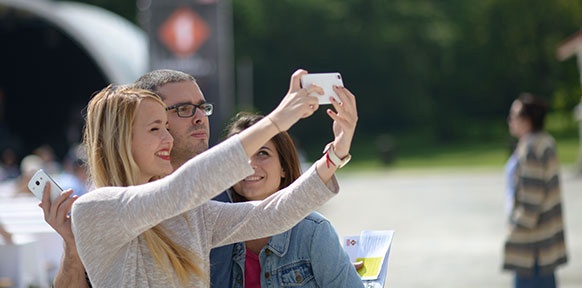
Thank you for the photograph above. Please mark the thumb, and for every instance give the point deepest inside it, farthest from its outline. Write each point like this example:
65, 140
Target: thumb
296, 80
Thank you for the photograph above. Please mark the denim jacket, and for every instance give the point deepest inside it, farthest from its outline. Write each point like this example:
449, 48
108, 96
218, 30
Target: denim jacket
308, 255
221, 257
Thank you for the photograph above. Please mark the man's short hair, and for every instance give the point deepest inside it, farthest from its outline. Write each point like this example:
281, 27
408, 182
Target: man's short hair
153, 80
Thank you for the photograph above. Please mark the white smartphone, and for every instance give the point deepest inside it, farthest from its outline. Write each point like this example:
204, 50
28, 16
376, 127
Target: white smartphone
37, 183
326, 81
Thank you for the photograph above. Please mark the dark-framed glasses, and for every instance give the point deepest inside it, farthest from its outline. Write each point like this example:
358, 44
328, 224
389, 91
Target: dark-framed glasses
187, 110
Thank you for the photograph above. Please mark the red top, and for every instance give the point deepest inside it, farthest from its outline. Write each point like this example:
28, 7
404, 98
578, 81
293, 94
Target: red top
252, 270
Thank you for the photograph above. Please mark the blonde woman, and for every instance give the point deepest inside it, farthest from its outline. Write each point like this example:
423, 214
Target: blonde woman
141, 229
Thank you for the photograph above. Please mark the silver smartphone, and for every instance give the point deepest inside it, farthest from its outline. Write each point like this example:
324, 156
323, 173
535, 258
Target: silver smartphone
326, 81
37, 183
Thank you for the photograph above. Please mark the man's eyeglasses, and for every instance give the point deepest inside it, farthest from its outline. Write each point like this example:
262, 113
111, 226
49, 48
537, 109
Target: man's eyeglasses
187, 110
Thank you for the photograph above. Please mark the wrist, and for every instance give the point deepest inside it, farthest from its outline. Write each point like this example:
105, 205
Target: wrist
334, 159
269, 117
70, 249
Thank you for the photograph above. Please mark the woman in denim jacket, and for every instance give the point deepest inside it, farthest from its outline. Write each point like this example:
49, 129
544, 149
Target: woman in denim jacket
308, 255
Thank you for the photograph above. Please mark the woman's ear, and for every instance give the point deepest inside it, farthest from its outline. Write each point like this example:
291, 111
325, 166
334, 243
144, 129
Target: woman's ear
282, 173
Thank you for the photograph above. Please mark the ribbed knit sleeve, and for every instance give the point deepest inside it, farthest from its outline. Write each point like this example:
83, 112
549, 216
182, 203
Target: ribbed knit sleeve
237, 222
105, 220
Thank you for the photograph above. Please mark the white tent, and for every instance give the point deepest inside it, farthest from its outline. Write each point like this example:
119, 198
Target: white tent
117, 46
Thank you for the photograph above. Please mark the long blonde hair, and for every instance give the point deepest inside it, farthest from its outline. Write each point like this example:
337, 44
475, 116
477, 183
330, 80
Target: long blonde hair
108, 137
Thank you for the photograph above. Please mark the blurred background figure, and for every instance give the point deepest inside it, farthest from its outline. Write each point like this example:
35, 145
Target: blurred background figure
74, 174
49, 161
19, 185
5, 236
9, 164
535, 245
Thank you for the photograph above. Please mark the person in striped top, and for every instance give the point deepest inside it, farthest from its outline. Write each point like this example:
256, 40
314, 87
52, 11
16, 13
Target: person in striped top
535, 244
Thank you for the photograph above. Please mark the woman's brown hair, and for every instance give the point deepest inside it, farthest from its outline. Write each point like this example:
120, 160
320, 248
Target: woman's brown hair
283, 143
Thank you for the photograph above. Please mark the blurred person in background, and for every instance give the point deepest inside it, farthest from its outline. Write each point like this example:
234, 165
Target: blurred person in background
5, 235
9, 165
18, 186
74, 174
50, 163
534, 245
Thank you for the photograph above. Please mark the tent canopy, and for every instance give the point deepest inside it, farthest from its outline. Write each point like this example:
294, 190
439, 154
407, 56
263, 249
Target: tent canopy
117, 46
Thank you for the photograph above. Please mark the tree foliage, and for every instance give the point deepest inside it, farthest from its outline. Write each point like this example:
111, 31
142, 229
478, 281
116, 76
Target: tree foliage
415, 64
439, 66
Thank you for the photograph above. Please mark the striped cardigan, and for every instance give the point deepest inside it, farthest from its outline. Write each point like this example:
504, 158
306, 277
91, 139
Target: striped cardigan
537, 228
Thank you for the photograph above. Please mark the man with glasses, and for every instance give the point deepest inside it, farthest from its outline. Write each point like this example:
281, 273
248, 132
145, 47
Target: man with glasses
188, 114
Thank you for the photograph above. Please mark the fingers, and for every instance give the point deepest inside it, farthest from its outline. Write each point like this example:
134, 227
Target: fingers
313, 89
311, 103
345, 119
297, 105
55, 212
345, 107
296, 80
59, 217
345, 96
358, 265
46, 194
45, 203
62, 214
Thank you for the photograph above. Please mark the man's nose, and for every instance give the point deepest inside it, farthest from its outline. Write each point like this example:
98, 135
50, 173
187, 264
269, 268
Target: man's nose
197, 117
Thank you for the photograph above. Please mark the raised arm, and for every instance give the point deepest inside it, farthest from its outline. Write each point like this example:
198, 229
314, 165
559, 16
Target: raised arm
71, 271
345, 119
297, 104
284, 209
237, 222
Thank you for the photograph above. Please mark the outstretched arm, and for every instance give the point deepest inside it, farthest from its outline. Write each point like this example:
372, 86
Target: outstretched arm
71, 271
345, 119
297, 104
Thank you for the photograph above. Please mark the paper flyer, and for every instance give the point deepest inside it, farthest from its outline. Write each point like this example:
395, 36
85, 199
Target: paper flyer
372, 247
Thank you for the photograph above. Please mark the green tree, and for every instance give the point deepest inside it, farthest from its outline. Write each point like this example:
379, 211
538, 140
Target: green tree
449, 67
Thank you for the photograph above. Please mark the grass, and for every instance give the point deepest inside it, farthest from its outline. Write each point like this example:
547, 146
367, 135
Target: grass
484, 145
453, 155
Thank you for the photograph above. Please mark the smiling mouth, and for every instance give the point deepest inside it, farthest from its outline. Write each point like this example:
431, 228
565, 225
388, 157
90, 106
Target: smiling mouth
253, 178
163, 154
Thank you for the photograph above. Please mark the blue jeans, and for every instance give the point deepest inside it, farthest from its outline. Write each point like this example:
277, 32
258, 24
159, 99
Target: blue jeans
536, 280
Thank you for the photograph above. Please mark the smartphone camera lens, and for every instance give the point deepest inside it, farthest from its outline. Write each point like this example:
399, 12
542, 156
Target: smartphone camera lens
339, 77
37, 183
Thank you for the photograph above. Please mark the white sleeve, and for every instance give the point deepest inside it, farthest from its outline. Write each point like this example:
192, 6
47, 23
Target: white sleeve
116, 215
237, 222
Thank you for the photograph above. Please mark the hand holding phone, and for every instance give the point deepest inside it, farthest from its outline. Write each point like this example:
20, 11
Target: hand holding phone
326, 81
37, 183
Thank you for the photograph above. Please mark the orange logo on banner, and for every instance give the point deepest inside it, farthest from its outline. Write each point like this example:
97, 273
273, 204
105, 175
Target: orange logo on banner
184, 32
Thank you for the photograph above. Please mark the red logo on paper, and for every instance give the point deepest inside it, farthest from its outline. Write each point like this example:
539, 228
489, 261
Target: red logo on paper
184, 32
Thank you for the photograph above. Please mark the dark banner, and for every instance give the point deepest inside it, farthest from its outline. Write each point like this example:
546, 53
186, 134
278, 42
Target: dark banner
195, 37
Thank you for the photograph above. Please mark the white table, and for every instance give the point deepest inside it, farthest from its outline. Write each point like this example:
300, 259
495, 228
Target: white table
37, 249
